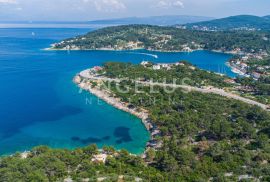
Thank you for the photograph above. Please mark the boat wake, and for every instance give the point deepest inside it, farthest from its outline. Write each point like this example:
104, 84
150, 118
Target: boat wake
146, 54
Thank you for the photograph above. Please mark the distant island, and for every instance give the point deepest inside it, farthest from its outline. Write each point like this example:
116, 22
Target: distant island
167, 20
204, 126
168, 39
248, 48
232, 23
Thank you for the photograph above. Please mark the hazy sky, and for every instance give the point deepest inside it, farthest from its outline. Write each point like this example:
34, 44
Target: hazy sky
81, 10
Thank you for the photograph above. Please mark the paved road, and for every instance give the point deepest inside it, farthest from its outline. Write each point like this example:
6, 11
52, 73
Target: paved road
85, 74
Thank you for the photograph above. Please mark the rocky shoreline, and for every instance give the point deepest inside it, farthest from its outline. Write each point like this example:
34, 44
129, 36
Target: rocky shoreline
107, 96
112, 49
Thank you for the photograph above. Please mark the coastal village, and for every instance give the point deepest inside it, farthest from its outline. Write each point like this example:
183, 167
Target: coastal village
215, 29
240, 64
131, 45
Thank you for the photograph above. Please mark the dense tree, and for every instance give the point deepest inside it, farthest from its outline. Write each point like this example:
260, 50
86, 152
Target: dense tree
204, 137
169, 39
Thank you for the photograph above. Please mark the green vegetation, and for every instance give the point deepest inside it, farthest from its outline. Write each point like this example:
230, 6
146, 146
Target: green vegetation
260, 89
254, 64
203, 136
181, 74
167, 39
45, 164
236, 22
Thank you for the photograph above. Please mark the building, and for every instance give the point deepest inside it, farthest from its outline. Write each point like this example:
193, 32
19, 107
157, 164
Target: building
245, 58
146, 63
179, 64
256, 75
187, 49
192, 67
100, 158
167, 66
25, 155
157, 67
98, 68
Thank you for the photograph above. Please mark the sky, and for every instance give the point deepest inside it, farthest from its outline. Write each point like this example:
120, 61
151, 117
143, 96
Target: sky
85, 10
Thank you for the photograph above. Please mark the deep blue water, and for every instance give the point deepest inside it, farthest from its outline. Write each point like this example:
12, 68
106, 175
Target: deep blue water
39, 104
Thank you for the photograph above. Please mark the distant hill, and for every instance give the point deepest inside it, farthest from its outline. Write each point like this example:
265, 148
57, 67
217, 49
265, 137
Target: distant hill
267, 17
153, 20
163, 38
242, 22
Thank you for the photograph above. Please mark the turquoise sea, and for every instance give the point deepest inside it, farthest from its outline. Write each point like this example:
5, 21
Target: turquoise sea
39, 104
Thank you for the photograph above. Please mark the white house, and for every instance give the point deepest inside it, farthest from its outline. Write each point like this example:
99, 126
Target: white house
144, 63
157, 67
99, 158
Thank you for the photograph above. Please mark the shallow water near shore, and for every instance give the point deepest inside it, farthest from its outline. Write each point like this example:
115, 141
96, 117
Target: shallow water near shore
40, 105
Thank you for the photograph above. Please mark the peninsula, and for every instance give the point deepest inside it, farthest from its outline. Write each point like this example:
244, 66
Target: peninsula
168, 39
87, 78
250, 49
204, 126
209, 118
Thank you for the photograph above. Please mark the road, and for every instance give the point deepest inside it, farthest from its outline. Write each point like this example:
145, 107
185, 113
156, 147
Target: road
86, 74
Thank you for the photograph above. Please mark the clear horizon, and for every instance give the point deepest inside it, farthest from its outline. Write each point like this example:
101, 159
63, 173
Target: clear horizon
88, 10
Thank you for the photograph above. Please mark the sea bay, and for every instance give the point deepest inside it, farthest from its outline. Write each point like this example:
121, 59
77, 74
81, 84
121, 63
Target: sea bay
40, 105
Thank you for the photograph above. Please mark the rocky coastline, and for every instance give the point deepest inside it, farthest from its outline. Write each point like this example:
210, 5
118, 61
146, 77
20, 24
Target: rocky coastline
107, 96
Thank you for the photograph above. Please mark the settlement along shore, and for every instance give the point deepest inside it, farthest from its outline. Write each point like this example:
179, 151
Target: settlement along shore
83, 81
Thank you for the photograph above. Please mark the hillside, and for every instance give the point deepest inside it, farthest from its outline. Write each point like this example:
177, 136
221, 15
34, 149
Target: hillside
153, 20
242, 22
166, 39
201, 137
43, 164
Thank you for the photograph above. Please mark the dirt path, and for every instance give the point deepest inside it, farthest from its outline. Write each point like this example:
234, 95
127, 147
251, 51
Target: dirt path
85, 74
